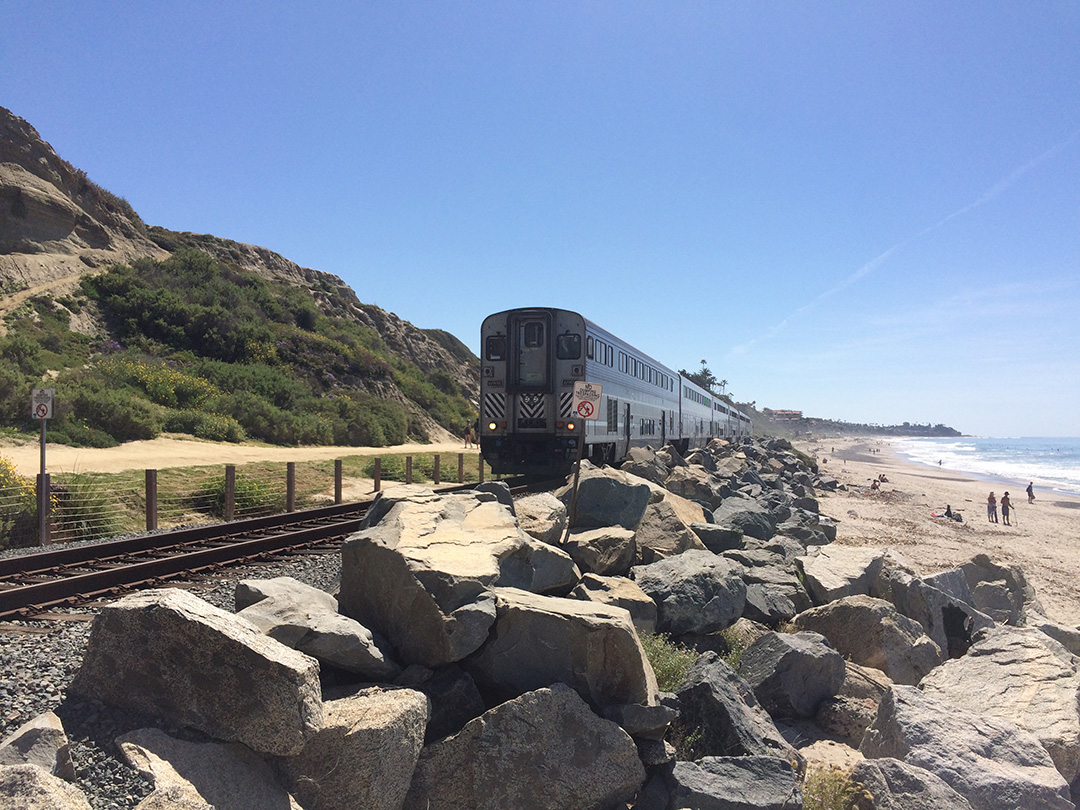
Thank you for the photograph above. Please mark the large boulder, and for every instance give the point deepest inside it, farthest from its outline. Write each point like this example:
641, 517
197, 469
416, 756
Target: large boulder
949, 621
992, 763
1022, 676
224, 775
697, 484
664, 529
715, 703
609, 551
834, 571
307, 619
695, 592
619, 592
1000, 587
422, 570
746, 514
791, 673
542, 516
607, 497
871, 632
735, 783
850, 712
28, 787
544, 751
895, 785
540, 640
169, 654
42, 742
365, 753
643, 462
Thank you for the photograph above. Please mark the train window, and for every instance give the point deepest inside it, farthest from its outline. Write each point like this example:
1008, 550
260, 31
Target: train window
622, 361
568, 346
533, 335
496, 347
589, 348
610, 356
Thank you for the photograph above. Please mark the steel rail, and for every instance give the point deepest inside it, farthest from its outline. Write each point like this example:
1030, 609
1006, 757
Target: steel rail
49, 559
41, 595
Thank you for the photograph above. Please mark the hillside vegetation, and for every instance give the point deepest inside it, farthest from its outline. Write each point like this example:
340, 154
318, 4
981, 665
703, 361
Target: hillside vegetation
193, 345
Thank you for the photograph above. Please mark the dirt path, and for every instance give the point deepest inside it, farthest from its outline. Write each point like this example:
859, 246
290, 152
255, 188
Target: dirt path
173, 451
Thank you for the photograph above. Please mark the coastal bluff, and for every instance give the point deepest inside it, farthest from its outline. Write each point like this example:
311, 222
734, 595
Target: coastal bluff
483, 651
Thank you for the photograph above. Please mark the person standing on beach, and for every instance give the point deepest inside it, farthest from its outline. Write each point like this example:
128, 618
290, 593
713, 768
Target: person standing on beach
1005, 506
991, 508
468, 436
1031, 493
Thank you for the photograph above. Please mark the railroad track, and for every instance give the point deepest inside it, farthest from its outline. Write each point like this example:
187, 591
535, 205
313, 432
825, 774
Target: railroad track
33, 583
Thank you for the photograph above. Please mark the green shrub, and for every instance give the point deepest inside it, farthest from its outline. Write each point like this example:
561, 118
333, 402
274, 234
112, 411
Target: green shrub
670, 661
85, 508
18, 507
831, 789
214, 427
118, 412
250, 497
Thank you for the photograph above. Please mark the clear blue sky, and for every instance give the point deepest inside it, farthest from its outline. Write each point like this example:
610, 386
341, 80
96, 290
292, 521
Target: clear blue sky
866, 211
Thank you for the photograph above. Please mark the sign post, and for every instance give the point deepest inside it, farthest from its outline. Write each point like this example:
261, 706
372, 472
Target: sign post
41, 407
586, 406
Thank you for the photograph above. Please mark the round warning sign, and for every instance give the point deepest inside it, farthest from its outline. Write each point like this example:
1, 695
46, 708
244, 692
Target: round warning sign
587, 400
41, 403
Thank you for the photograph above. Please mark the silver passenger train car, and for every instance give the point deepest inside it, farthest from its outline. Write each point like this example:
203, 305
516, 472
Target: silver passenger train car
530, 360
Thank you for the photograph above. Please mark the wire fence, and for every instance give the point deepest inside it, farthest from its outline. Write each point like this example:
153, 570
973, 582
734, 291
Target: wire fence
98, 506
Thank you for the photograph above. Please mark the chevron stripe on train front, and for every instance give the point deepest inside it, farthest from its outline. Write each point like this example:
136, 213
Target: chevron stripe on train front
566, 404
531, 406
495, 406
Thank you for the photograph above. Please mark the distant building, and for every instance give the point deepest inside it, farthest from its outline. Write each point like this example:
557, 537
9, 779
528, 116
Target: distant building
783, 416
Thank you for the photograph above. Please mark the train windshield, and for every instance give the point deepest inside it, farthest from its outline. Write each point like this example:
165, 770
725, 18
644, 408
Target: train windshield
496, 347
568, 346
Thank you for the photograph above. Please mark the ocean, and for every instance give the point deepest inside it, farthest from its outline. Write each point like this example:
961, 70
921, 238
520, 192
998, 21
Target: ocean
1053, 463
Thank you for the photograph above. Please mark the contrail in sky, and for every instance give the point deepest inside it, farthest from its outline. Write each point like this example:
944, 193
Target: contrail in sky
992, 193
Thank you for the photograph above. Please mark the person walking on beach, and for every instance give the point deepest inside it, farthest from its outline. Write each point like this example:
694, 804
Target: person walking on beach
1006, 505
468, 436
1031, 493
991, 508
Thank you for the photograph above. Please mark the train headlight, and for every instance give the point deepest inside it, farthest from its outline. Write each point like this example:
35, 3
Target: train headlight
569, 425
492, 426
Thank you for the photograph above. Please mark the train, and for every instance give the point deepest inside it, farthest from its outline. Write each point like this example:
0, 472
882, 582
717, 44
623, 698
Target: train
530, 360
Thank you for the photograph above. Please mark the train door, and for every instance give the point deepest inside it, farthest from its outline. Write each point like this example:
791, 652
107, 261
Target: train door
531, 351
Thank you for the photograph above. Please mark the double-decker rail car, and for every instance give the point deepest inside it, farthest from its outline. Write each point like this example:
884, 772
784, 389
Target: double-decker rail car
530, 360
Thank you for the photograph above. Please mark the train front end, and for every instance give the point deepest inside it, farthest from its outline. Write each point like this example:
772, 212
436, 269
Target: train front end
530, 360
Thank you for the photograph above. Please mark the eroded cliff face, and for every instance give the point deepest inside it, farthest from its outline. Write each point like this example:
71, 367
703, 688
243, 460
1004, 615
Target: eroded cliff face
55, 224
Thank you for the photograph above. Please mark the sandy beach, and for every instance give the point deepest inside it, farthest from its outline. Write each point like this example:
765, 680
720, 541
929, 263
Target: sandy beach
1043, 539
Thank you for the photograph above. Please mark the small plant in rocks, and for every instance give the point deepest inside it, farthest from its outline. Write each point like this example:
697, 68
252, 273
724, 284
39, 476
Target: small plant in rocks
670, 661
831, 788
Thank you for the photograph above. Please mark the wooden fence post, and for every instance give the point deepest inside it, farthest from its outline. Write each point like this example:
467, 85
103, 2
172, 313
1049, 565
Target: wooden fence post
480, 459
408, 469
435, 472
151, 500
290, 486
44, 505
337, 480
378, 473
230, 491
461, 468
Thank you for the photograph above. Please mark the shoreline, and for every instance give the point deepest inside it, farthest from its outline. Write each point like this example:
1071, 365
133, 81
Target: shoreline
1041, 542
998, 480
